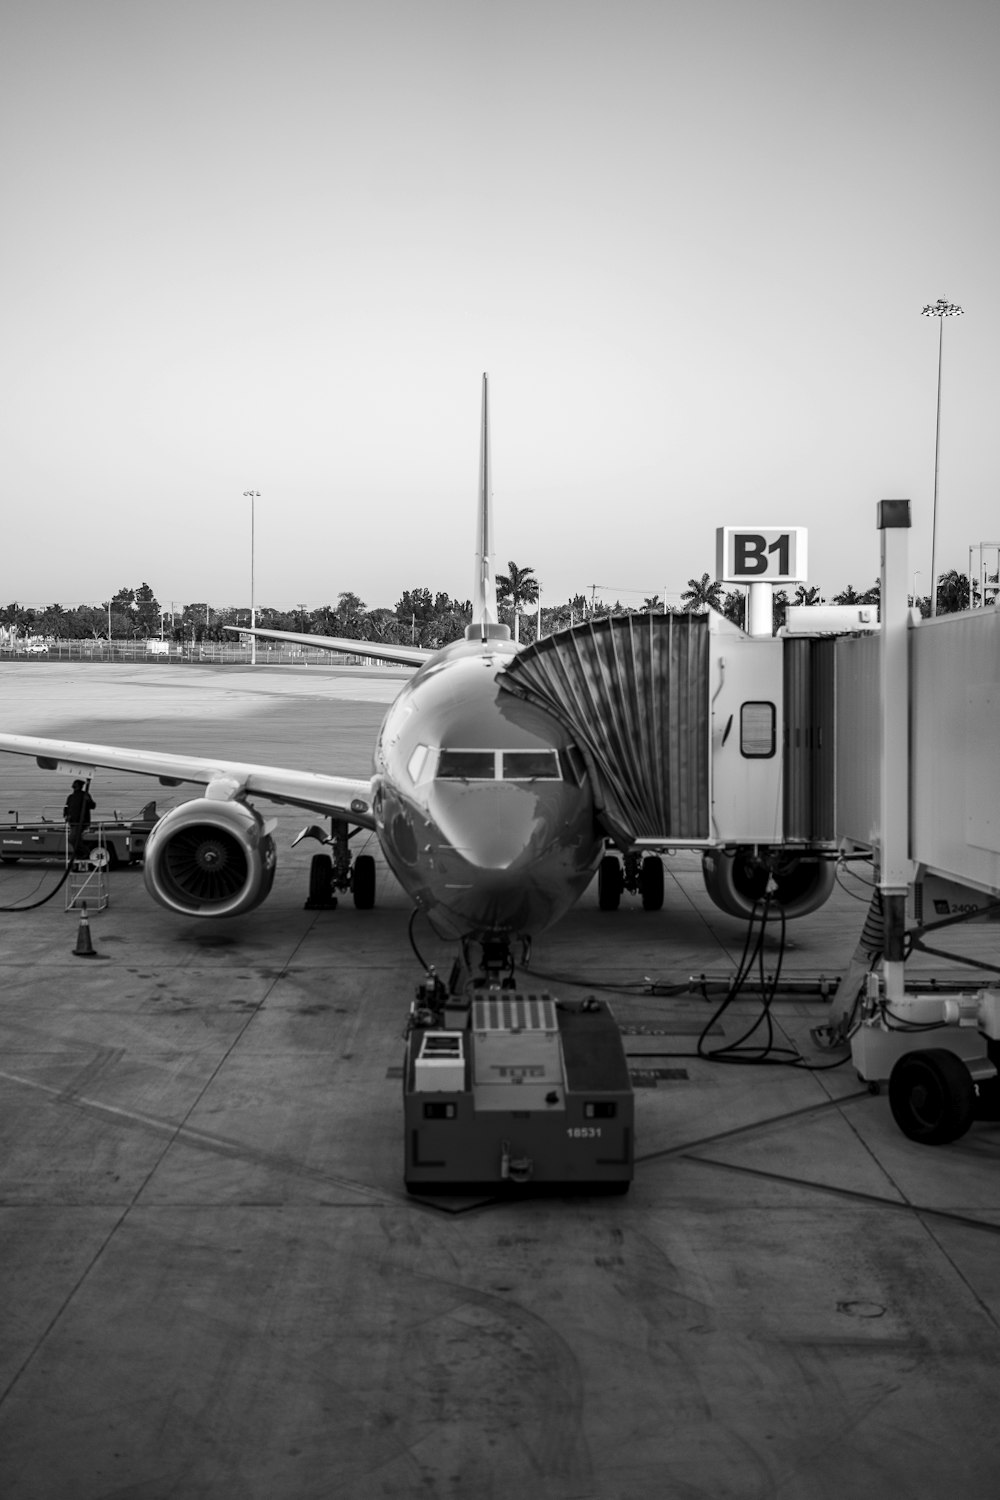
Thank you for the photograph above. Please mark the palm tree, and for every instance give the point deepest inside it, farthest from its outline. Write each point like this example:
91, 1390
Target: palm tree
52, 621
953, 592
779, 607
734, 607
807, 596
520, 586
702, 594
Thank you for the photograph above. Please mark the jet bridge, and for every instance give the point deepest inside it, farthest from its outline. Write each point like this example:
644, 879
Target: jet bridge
950, 684
634, 691
694, 735
916, 784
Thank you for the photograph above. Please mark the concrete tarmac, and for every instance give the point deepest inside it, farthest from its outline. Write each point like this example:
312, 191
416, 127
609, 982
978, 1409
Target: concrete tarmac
214, 1284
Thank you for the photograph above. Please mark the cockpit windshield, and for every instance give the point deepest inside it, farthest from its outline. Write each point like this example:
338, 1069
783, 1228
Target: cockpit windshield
466, 765
530, 765
498, 765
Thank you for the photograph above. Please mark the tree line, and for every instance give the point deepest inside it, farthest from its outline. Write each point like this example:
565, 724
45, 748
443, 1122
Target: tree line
955, 592
420, 617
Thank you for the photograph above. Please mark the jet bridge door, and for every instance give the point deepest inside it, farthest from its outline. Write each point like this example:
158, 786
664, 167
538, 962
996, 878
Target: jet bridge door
808, 749
747, 707
633, 691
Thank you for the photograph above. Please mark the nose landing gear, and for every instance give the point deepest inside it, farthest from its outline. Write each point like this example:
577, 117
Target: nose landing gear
639, 874
329, 873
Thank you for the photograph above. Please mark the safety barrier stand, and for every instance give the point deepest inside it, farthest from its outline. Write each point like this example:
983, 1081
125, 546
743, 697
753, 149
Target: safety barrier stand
87, 886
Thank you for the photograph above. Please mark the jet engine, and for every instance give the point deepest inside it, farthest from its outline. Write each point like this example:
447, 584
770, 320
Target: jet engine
210, 858
737, 879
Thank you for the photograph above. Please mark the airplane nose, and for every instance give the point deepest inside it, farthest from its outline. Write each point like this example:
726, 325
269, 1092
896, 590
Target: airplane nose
503, 855
492, 825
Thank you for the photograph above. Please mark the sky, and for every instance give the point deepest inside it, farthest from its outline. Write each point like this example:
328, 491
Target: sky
273, 246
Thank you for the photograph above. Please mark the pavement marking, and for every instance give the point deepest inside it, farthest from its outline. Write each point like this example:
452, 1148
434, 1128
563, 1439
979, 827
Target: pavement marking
901, 1205
190, 1136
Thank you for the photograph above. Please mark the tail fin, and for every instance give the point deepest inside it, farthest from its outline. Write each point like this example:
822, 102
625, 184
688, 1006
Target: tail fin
485, 620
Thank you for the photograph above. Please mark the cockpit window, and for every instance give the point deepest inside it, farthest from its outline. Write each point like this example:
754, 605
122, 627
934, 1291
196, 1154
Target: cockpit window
466, 765
574, 767
498, 765
530, 765
417, 763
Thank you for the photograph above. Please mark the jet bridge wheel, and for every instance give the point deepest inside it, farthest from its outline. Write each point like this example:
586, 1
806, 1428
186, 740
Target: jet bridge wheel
363, 882
651, 882
609, 883
932, 1096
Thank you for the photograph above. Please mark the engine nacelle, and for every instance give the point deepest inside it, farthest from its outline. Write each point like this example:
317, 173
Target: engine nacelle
210, 859
736, 880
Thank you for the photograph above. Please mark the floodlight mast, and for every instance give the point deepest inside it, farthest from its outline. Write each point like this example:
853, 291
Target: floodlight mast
252, 495
940, 309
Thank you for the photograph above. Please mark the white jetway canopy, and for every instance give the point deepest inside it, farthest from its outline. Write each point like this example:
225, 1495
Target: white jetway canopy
633, 690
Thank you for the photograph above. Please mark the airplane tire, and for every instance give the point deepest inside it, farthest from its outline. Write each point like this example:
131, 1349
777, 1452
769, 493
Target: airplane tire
932, 1096
609, 884
651, 882
321, 881
363, 882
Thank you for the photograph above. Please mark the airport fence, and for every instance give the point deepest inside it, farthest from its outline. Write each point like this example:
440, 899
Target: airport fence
268, 655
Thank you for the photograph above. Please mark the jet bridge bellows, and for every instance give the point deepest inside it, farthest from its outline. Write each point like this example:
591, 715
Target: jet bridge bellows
633, 691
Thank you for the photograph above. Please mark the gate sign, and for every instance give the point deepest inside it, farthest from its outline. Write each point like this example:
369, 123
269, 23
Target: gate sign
761, 554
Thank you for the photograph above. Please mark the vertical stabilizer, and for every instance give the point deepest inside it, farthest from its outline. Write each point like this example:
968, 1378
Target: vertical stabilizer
485, 620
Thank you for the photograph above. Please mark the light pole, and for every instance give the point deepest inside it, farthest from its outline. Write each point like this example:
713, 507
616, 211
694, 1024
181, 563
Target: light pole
940, 309
252, 495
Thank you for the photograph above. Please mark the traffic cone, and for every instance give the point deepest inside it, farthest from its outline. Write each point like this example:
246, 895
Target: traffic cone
84, 947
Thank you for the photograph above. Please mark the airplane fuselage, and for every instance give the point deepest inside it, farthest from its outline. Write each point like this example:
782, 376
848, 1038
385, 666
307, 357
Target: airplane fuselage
483, 809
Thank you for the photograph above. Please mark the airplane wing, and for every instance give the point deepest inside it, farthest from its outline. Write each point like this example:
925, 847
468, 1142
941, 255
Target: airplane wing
404, 656
338, 796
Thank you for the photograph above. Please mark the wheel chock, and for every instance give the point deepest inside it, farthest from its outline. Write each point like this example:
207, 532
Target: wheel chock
84, 946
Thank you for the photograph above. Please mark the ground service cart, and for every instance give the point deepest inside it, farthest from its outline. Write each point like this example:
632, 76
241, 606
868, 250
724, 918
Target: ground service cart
123, 838
510, 1090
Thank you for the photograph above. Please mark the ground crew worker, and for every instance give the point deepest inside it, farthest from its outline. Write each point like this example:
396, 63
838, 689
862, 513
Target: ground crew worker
79, 805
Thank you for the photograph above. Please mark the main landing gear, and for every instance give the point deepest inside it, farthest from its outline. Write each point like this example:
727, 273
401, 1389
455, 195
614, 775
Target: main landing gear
642, 875
337, 871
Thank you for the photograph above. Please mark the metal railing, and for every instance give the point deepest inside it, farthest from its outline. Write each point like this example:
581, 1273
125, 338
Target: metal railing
200, 651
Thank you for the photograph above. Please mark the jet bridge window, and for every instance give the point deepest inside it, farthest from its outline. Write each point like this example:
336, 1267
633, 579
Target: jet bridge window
530, 765
757, 730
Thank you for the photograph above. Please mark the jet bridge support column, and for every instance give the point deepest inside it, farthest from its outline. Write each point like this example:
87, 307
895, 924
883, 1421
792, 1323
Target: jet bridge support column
760, 610
894, 770
940, 1053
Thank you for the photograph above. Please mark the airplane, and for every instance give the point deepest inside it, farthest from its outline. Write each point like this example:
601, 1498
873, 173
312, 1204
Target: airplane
480, 801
